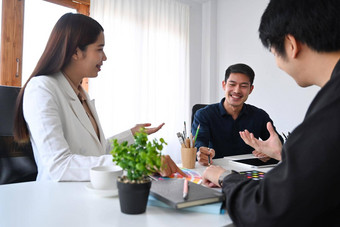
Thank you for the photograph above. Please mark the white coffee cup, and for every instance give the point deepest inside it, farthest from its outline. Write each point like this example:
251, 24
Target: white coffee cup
105, 177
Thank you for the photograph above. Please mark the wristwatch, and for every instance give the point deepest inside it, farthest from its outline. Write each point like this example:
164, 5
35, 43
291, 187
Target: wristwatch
222, 176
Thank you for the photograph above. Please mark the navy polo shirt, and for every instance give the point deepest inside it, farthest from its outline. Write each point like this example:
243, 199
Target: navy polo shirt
218, 130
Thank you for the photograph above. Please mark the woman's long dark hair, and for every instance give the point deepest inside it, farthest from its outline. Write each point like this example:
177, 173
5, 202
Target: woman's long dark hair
71, 31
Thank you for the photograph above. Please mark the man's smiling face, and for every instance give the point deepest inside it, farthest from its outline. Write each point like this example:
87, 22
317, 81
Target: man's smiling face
237, 89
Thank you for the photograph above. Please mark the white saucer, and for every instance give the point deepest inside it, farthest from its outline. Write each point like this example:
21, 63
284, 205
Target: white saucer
102, 193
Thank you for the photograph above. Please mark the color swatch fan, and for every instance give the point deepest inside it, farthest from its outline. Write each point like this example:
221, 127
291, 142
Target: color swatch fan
192, 176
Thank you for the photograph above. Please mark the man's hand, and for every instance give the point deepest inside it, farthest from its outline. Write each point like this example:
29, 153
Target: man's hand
211, 175
203, 155
271, 147
261, 156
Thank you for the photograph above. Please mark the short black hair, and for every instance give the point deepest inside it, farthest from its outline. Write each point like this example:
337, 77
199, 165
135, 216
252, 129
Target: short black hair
240, 68
315, 23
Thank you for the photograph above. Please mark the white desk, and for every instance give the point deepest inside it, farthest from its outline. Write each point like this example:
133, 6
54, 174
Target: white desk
224, 162
36, 204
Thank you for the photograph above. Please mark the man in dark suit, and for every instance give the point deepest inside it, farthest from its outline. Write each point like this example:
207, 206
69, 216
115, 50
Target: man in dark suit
303, 190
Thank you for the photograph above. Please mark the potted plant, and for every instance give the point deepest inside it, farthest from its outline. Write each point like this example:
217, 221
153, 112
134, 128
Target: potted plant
138, 160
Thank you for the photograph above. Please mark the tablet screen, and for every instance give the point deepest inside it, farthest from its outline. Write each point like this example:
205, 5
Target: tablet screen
257, 162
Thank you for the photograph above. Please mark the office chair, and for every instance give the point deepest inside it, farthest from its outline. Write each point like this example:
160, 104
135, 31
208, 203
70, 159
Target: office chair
194, 109
16, 161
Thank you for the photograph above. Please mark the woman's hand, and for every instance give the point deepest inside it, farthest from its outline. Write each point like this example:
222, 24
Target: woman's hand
147, 130
169, 167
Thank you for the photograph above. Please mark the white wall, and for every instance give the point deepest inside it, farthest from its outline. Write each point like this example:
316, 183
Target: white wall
236, 37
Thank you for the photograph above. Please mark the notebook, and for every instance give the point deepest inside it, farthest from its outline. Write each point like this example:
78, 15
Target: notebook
211, 208
170, 191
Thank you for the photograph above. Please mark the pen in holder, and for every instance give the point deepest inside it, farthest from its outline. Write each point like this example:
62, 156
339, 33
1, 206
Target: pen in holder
188, 157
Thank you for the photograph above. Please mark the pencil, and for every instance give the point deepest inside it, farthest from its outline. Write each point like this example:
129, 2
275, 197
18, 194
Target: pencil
185, 189
198, 128
191, 141
209, 159
187, 143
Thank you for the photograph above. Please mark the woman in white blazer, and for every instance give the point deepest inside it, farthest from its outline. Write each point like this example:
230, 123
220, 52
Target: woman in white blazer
56, 114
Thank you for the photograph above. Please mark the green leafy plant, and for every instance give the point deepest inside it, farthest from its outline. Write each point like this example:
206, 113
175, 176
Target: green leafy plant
139, 159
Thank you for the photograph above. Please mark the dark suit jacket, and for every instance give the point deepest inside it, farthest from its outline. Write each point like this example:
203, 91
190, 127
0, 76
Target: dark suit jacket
304, 189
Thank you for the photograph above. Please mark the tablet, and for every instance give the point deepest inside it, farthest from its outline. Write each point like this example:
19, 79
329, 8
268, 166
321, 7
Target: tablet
256, 162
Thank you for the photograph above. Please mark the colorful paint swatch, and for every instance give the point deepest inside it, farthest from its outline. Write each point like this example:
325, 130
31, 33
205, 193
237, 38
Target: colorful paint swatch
192, 176
253, 174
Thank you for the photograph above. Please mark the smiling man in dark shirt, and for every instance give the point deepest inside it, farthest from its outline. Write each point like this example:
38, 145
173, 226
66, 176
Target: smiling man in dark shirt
220, 123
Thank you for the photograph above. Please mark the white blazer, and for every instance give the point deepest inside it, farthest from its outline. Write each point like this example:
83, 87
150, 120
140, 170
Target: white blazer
64, 142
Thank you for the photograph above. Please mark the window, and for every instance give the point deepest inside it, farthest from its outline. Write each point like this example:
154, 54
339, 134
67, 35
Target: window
38, 27
146, 75
12, 36
11, 42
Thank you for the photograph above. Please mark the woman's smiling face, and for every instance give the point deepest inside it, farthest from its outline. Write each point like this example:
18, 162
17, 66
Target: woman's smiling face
93, 57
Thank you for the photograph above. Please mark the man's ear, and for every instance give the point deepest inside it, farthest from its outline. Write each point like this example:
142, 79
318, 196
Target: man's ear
292, 45
223, 84
251, 89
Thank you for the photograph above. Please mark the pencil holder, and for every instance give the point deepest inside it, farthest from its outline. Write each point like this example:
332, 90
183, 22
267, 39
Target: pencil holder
188, 157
